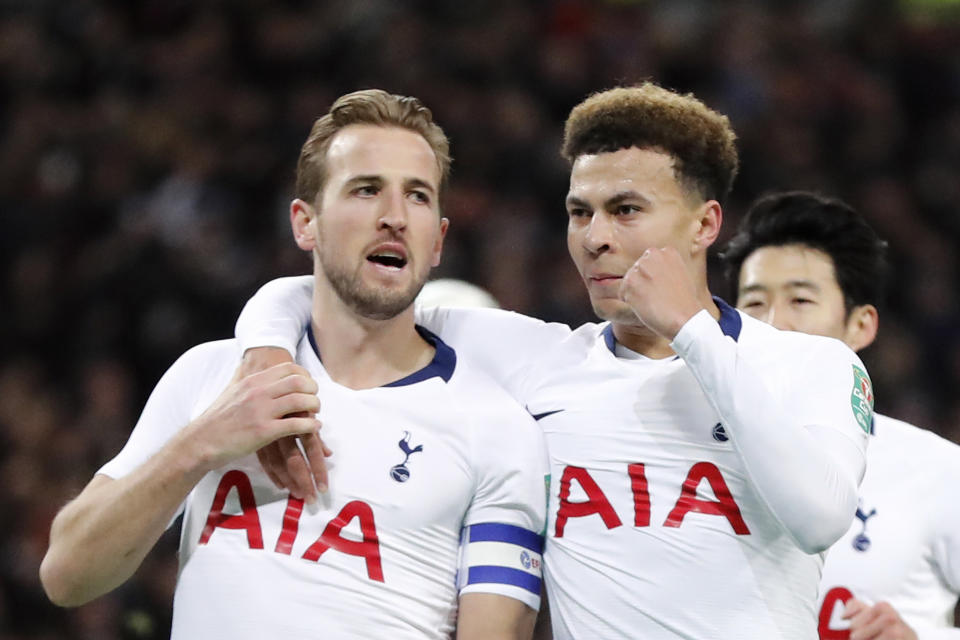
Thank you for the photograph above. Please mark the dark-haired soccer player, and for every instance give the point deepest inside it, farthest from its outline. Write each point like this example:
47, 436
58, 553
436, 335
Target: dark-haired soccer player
804, 262
701, 460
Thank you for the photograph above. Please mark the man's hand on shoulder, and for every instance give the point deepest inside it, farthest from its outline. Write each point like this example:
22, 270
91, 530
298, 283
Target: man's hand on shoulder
877, 622
282, 459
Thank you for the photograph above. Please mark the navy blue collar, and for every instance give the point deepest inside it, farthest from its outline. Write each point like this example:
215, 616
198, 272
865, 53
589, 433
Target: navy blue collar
442, 366
730, 323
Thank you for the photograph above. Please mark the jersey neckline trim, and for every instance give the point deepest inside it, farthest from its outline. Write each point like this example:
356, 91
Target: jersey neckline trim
441, 366
730, 323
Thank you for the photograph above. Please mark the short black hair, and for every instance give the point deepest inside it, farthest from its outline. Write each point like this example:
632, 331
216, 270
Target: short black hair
826, 224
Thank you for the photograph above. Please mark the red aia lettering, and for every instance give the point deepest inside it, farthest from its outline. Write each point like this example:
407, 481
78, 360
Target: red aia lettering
248, 520
725, 505
368, 548
830, 600
641, 496
596, 502
291, 524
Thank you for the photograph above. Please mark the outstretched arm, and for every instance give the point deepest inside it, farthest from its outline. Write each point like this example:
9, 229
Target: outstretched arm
100, 538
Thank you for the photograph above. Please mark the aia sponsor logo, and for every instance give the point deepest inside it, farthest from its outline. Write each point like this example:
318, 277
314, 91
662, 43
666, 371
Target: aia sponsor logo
367, 548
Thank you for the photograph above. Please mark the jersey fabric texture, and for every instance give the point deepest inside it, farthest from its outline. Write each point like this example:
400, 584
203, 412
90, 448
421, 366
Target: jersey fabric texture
416, 464
690, 497
904, 545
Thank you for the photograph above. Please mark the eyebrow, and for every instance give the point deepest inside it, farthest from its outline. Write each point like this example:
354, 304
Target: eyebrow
613, 201
417, 182
790, 284
378, 180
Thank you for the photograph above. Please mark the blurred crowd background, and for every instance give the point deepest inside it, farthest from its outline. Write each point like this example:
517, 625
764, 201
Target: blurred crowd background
147, 152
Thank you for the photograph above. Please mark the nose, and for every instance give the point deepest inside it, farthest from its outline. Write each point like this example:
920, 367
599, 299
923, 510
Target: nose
393, 212
779, 316
599, 234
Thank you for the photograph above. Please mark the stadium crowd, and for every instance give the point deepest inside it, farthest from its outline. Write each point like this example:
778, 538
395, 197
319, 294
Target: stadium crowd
145, 174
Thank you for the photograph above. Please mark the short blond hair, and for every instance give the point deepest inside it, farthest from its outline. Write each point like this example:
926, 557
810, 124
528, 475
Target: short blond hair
374, 107
647, 116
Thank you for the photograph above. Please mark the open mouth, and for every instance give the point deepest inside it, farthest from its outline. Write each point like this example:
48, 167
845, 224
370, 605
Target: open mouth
390, 259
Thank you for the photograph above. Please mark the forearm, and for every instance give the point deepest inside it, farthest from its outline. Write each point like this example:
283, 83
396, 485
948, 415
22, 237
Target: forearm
98, 540
486, 616
277, 315
809, 488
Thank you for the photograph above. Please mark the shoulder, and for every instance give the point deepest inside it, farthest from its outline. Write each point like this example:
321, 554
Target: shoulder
206, 366
496, 321
476, 392
486, 407
210, 357
772, 343
916, 443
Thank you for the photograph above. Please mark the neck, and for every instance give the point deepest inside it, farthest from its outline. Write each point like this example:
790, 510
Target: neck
361, 353
636, 336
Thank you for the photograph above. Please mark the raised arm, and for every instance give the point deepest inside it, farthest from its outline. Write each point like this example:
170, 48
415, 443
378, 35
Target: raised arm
100, 538
800, 441
804, 455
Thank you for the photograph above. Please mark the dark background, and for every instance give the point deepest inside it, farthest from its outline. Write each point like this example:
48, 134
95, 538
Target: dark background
146, 160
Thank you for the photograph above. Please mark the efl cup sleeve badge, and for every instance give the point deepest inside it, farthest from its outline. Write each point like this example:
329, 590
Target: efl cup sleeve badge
861, 398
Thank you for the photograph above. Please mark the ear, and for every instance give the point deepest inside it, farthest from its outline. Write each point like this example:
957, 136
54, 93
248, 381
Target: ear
709, 219
438, 245
302, 216
861, 327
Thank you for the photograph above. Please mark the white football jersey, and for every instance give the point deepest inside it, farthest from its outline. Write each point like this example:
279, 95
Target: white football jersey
904, 545
656, 527
690, 497
439, 472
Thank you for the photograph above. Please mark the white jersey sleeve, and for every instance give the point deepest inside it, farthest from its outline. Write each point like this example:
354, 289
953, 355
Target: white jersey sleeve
502, 541
277, 314
799, 425
503, 344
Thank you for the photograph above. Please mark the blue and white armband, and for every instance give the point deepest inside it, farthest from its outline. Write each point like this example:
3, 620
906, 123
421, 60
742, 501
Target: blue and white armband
501, 558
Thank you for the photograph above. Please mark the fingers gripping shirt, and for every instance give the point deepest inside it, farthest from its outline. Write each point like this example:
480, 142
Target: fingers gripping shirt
413, 465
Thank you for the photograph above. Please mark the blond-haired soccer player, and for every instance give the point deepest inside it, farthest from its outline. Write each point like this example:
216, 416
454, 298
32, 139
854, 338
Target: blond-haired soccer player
804, 262
701, 461
426, 506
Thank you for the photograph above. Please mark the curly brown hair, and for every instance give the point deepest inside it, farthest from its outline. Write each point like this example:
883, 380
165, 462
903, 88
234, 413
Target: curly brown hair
374, 107
647, 116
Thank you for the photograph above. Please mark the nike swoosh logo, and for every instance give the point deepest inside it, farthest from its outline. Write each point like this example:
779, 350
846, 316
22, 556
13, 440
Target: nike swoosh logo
541, 416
